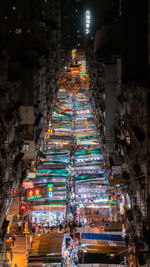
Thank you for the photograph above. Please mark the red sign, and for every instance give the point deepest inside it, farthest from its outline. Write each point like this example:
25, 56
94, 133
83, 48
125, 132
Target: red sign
34, 192
37, 192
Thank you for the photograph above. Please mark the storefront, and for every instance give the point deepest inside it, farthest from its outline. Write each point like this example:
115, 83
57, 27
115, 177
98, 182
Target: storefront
47, 218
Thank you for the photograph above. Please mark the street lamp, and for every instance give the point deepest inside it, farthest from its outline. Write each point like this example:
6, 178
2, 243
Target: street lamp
116, 254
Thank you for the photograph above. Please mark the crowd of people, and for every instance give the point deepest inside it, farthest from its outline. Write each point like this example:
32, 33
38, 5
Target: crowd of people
70, 253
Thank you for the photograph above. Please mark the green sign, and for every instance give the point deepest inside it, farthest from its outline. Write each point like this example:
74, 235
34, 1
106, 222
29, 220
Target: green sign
34, 197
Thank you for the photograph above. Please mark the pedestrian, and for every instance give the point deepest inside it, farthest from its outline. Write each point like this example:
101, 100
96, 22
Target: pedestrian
36, 229
60, 227
19, 225
13, 240
71, 242
33, 228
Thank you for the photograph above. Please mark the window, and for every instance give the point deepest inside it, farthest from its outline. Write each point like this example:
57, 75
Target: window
18, 31
14, 8
26, 147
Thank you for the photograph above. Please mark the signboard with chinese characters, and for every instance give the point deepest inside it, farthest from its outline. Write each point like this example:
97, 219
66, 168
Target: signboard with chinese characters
28, 184
36, 193
50, 190
50, 131
31, 175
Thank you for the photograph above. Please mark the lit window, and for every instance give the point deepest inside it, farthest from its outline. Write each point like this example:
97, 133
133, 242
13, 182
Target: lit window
87, 25
26, 147
18, 31
14, 8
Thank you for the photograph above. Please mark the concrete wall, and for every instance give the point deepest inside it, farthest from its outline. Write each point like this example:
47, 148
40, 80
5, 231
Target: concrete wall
110, 105
26, 114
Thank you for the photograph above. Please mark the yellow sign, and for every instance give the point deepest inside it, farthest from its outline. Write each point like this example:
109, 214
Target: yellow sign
33, 166
73, 53
50, 131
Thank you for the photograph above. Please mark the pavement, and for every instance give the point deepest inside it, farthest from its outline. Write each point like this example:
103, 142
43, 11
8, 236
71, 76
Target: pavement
19, 256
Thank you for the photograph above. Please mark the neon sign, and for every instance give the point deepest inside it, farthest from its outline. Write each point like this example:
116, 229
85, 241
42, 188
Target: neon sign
87, 21
73, 54
50, 189
50, 131
36, 193
28, 184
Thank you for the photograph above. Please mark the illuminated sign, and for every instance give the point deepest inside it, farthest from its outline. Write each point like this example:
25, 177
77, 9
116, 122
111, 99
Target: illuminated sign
86, 111
33, 166
36, 193
28, 184
31, 175
89, 159
83, 65
75, 69
62, 90
73, 54
87, 21
50, 131
50, 194
50, 189
33, 194
24, 206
